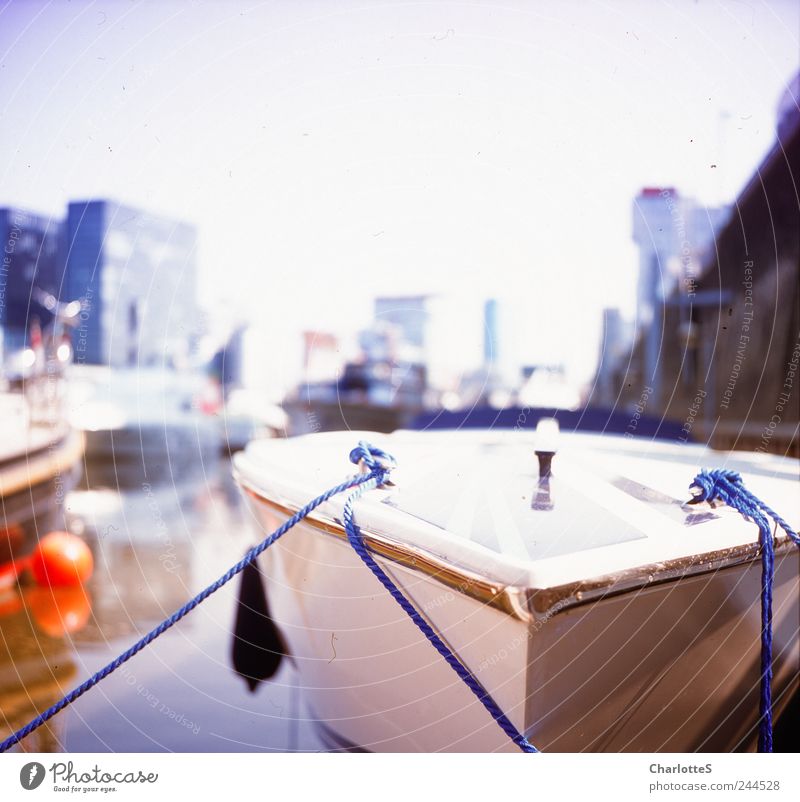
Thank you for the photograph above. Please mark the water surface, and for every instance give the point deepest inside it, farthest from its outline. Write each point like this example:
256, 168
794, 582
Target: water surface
155, 545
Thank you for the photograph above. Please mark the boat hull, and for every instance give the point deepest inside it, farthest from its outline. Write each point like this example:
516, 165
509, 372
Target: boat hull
151, 452
667, 667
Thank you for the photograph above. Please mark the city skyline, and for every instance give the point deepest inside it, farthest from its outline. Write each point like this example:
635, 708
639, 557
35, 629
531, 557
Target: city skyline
392, 149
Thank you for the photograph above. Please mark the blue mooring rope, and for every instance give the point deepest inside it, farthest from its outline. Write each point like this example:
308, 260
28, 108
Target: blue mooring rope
363, 452
378, 465
727, 486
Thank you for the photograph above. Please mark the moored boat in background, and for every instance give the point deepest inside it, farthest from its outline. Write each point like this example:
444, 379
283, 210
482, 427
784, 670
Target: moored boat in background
142, 424
381, 391
38, 445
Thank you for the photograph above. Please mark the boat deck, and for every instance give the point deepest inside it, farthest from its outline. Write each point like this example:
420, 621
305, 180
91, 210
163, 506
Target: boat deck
611, 506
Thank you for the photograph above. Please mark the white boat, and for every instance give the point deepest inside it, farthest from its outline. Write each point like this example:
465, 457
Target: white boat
600, 611
141, 423
245, 417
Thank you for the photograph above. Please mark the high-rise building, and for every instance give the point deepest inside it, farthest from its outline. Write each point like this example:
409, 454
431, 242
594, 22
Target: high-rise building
491, 332
409, 314
135, 272
673, 234
31, 273
615, 347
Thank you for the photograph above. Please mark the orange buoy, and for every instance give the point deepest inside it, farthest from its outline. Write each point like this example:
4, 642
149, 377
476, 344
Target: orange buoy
59, 611
61, 560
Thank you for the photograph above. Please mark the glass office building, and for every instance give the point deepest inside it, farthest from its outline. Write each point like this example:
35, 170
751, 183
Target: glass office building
30, 271
136, 274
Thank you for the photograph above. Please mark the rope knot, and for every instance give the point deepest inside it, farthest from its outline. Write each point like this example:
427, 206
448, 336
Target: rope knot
713, 485
373, 460
728, 487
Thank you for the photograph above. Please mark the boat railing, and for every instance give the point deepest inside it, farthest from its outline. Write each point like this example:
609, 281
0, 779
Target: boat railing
37, 378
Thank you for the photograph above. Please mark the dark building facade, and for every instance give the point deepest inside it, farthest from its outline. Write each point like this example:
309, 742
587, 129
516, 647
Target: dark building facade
743, 333
728, 339
136, 273
31, 269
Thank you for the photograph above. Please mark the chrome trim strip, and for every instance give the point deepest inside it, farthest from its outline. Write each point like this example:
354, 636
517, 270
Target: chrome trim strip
543, 601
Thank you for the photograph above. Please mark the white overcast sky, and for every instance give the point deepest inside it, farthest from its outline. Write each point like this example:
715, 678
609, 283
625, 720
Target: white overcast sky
331, 151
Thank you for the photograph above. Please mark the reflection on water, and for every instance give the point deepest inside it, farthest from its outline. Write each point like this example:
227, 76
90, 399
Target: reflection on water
155, 546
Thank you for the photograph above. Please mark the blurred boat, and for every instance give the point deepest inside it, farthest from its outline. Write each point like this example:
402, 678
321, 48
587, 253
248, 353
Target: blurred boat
599, 610
142, 424
383, 390
245, 417
32, 455
306, 416
378, 397
38, 446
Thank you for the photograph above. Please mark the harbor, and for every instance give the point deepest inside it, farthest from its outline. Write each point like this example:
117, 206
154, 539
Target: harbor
362, 424
153, 548
220, 684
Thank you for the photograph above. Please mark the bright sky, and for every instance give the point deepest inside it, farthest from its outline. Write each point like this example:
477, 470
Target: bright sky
329, 152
